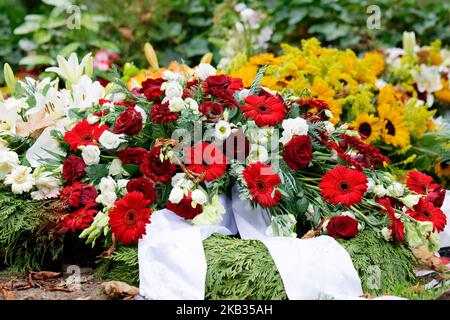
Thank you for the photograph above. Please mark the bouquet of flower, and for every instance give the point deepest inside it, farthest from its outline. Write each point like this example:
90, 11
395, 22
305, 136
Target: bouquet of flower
402, 126
110, 157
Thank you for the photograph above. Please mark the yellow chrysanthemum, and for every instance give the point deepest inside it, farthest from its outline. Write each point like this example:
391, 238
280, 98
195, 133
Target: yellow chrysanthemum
442, 169
375, 61
417, 116
369, 126
394, 130
263, 59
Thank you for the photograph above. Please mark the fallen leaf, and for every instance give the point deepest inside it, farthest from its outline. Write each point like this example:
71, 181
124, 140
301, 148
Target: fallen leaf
7, 295
119, 289
45, 275
427, 258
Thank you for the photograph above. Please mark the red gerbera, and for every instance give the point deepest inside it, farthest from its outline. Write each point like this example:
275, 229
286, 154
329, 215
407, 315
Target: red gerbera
418, 181
397, 228
84, 134
80, 219
426, 211
261, 182
157, 170
206, 158
129, 217
265, 111
161, 113
184, 207
343, 186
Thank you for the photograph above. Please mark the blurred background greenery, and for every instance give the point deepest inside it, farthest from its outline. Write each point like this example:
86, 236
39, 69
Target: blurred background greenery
33, 32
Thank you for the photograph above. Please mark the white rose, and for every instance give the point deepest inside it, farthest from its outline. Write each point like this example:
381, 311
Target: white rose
243, 94
177, 104
176, 195
122, 183
410, 200
380, 191
8, 161
107, 184
199, 197
205, 70
172, 89
370, 185
110, 140
107, 199
90, 154
291, 127
191, 104
115, 168
142, 112
396, 189
92, 119
222, 130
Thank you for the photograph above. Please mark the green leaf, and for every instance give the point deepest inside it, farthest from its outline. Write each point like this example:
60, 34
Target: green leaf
68, 49
96, 171
131, 168
42, 36
35, 60
27, 27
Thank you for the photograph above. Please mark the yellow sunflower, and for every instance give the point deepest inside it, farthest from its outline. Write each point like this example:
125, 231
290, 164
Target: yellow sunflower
394, 130
369, 126
442, 169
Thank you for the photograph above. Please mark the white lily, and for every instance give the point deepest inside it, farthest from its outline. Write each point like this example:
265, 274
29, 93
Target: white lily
9, 114
71, 70
38, 151
86, 92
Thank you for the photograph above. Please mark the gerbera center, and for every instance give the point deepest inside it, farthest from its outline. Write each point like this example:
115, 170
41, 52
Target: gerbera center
344, 186
390, 128
131, 217
365, 128
426, 213
261, 186
263, 108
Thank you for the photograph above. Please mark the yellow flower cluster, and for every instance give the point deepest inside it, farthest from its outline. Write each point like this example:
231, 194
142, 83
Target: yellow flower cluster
347, 84
335, 76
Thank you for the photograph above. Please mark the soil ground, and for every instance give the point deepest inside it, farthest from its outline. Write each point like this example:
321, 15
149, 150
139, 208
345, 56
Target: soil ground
62, 287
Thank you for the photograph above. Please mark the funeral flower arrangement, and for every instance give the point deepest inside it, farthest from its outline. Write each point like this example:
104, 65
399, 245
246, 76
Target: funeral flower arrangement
389, 114
109, 157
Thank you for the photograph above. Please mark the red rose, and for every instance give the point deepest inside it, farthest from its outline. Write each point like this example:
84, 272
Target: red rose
151, 88
158, 171
144, 185
190, 87
129, 122
132, 155
342, 227
223, 87
184, 208
298, 152
212, 110
73, 169
161, 113
78, 194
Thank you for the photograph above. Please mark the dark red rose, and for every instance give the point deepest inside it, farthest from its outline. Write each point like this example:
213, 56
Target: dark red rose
132, 155
223, 87
212, 110
129, 122
73, 169
160, 113
236, 146
342, 227
298, 152
158, 171
184, 208
144, 185
151, 88
436, 195
78, 194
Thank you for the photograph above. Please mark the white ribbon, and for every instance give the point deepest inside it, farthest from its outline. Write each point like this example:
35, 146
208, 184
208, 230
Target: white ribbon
445, 235
172, 262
